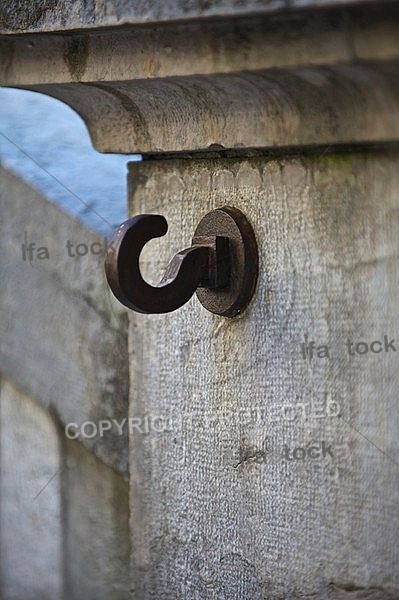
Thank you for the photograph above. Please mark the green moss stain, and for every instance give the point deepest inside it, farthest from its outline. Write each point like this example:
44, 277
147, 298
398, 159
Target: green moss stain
332, 168
6, 58
75, 55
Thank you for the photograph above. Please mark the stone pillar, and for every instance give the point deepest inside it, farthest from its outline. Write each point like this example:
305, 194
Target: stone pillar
269, 468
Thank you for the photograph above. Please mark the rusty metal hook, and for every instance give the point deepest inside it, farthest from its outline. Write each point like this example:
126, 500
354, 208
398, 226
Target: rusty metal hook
216, 265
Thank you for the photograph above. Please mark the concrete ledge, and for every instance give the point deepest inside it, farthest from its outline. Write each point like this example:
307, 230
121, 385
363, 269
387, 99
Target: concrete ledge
63, 14
339, 104
297, 78
340, 34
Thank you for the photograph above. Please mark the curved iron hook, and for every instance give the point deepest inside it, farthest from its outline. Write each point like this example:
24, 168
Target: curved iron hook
186, 271
221, 265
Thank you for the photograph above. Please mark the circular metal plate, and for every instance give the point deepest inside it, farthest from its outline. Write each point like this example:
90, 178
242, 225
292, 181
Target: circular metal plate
235, 297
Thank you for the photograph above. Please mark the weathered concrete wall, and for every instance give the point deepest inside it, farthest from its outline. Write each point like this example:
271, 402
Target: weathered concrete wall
48, 15
63, 359
58, 311
96, 528
71, 540
31, 564
218, 511
341, 34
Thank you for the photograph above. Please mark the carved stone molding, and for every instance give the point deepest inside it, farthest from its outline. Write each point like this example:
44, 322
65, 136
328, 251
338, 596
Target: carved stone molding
293, 80
341, 104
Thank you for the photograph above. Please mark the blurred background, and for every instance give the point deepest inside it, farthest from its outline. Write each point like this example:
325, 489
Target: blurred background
63, 358
47, 144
